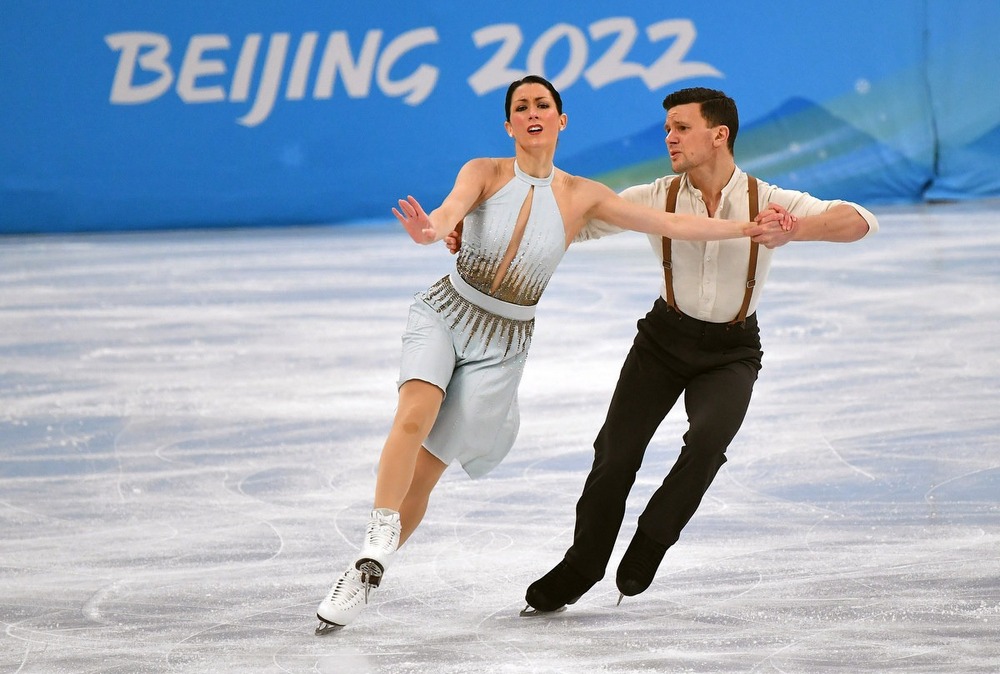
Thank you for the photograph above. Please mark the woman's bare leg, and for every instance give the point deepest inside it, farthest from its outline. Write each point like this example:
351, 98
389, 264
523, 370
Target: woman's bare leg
428, 471
419, 403
407, 473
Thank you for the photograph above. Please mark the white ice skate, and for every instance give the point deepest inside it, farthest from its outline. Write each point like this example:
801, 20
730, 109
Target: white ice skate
346, 599
381, 541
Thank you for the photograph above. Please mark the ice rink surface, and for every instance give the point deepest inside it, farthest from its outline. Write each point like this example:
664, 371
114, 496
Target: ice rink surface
189, 425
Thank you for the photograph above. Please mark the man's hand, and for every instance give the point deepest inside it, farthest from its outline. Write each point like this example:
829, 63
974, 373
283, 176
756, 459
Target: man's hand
453, 240
775, 226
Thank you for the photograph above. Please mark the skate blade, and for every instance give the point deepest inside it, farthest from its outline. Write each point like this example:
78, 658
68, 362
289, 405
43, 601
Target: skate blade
325, 628
371, 575
530, 611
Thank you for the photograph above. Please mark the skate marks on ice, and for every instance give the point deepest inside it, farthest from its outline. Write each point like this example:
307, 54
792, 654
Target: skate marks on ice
190, 424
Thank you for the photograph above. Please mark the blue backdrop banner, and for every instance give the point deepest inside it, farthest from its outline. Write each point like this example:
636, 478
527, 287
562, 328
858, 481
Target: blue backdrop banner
125, 115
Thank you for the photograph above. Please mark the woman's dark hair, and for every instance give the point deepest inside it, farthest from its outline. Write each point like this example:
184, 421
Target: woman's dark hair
532, 79
716, 108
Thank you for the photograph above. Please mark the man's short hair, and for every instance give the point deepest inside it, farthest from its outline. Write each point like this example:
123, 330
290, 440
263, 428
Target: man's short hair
716, 108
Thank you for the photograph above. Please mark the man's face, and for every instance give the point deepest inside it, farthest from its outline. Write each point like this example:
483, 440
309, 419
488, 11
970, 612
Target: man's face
690, 140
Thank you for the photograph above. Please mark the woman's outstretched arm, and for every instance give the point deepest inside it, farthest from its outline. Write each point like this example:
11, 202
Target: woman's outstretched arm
611, 208
468, 191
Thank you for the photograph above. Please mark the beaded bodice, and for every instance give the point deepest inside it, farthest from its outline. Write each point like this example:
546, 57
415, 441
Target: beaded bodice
487, 233
486, 237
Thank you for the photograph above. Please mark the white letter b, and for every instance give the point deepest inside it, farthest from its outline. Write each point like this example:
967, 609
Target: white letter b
154, 60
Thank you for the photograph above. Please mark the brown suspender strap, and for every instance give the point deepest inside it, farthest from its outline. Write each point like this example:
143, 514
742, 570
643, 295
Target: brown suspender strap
671, 207
754, 246
668, 278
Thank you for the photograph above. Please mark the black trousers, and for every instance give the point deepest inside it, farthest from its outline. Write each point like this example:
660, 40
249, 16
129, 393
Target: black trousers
715, 366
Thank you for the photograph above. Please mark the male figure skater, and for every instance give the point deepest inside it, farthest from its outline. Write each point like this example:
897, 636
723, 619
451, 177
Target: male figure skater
700, 338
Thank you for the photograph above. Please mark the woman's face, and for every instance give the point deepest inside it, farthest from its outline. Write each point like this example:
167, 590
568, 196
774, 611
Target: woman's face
534, 119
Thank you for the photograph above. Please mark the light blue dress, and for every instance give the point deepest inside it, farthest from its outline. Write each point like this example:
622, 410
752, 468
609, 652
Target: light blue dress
471, 342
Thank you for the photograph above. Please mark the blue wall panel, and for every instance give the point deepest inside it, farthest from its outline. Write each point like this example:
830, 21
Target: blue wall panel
124, 115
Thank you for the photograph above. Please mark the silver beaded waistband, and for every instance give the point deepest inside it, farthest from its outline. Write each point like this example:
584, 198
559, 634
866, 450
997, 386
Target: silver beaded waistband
518, 312
478, 314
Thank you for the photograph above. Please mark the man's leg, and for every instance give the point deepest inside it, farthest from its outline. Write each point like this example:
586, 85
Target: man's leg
716, 403
646, 391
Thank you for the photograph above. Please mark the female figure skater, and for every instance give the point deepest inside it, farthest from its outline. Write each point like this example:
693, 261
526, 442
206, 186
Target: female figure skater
468, 335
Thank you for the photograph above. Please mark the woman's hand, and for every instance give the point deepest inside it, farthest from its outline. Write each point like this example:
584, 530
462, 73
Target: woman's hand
415, 221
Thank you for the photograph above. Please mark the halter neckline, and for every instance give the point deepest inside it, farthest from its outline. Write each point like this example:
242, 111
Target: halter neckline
532, 180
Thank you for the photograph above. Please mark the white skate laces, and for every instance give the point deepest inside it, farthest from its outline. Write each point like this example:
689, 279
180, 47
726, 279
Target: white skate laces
347, 597
381, 541
355, 586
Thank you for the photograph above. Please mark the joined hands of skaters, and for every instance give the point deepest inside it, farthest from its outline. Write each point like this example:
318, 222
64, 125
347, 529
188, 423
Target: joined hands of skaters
773, 227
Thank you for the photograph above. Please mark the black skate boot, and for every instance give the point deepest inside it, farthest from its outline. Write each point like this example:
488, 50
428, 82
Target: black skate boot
638, 565
552, 592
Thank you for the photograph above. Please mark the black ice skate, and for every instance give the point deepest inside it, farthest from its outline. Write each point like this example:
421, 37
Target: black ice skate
552, 592
638, 565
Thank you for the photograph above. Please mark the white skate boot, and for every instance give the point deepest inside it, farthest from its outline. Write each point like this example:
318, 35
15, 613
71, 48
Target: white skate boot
346, 599
381, 541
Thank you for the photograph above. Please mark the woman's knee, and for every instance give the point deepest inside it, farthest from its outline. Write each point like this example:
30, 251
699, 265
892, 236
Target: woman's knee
419, 403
